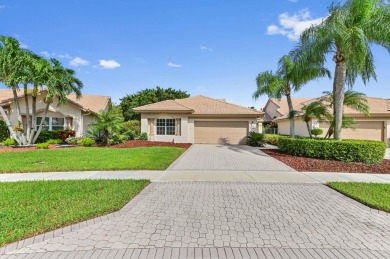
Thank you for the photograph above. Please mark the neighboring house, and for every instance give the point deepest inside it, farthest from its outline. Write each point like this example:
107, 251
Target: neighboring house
198, 119
75, 115
374, 127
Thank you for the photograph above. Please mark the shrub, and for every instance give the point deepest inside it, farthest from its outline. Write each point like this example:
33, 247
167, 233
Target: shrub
255, 139
3, 131
64, 134
133, 125
72, 140
130, 134
271, 139
142, 136
316, 132
54, 141
8, 142
87, 142
42, 146
46, 135
365, 151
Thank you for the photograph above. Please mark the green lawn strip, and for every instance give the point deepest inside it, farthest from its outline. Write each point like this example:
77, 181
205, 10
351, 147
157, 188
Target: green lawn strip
89, 159
31, 208
374, 195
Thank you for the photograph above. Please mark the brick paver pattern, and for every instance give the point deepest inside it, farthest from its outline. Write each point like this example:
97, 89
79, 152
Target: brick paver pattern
230, 217
227, 158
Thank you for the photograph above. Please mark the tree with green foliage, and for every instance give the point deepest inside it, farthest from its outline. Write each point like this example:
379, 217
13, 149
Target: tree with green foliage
290, 76
348, 33
108, 122
148, 96
315, 110
20, 67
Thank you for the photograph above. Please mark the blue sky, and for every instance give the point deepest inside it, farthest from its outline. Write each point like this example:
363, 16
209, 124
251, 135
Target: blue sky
208, 47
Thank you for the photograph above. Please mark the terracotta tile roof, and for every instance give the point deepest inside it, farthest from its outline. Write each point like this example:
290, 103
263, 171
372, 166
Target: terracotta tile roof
94, 103
378, 106
199, 105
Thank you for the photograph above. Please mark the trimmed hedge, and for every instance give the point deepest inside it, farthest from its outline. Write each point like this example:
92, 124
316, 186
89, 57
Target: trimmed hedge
271, 139
364, 151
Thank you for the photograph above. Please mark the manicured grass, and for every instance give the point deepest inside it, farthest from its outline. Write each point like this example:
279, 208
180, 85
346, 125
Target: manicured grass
30, 208
374, 195
89, 159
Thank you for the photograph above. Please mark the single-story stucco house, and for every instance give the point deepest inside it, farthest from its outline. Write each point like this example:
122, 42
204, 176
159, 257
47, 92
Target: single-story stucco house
75, 115
374, 127
198, 119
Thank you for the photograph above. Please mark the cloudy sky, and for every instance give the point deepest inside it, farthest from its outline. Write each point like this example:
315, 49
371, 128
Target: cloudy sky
208, 47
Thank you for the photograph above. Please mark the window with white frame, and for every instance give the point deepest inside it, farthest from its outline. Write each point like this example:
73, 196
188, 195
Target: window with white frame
166, 126
51, 123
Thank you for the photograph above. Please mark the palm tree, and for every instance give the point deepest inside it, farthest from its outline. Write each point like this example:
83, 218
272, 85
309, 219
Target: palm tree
317, 110
348, 32
108, 122
290, 76
353, 100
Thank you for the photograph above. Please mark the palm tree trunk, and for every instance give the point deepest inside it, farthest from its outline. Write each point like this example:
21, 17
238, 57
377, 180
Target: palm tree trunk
308, 129
9, 126
338, 88
106, 137
33, 110
41, 124
28, 121
19, 114
291, 112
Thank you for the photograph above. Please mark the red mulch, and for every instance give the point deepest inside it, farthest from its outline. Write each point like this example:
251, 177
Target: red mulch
143, 143
21, 149
304, 164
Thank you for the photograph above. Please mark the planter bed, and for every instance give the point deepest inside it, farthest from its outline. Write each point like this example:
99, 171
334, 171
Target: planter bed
143, 143
304, 164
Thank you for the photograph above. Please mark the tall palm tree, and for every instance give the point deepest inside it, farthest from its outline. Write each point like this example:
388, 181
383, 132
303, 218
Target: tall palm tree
315, 110
60, 83
348, 32
290, 76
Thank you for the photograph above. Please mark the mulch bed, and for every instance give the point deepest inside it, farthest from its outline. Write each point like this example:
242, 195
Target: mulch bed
304, 164
21, 149
143, 143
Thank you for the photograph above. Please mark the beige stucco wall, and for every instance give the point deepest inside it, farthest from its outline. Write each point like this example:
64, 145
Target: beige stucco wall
67, 110
300, 128
187, 126
271, 110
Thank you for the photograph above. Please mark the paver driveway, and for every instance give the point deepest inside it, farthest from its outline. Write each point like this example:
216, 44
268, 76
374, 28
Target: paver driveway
227, 220
226, 158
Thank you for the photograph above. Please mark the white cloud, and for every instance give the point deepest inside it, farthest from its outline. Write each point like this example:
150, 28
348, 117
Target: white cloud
170, 64
23, 45
47, 54
292, 26
205, 48
77, 61
64, 56
109, 64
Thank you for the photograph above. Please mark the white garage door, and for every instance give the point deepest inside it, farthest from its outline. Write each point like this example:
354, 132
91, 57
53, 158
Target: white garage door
221, 132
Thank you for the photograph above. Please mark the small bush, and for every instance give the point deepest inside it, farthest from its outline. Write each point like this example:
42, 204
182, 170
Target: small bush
87, 142
54, 141
142, 136
3, 131
9, 142
255, 139
46, 135
271, 139
364, 151
316, 132
42, 146
64, 134
72, 141
133, 125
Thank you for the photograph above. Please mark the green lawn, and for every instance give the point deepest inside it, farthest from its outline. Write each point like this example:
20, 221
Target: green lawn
30, 208
374, 195
89, 159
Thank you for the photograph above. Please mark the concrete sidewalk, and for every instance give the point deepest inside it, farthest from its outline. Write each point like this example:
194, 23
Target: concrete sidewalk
204, 176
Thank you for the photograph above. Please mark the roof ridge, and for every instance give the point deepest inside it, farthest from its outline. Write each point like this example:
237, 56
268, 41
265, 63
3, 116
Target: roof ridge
225, 102
174, 100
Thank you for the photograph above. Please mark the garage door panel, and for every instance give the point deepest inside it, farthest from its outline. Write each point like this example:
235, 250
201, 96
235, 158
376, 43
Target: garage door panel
370, 130
221, 132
